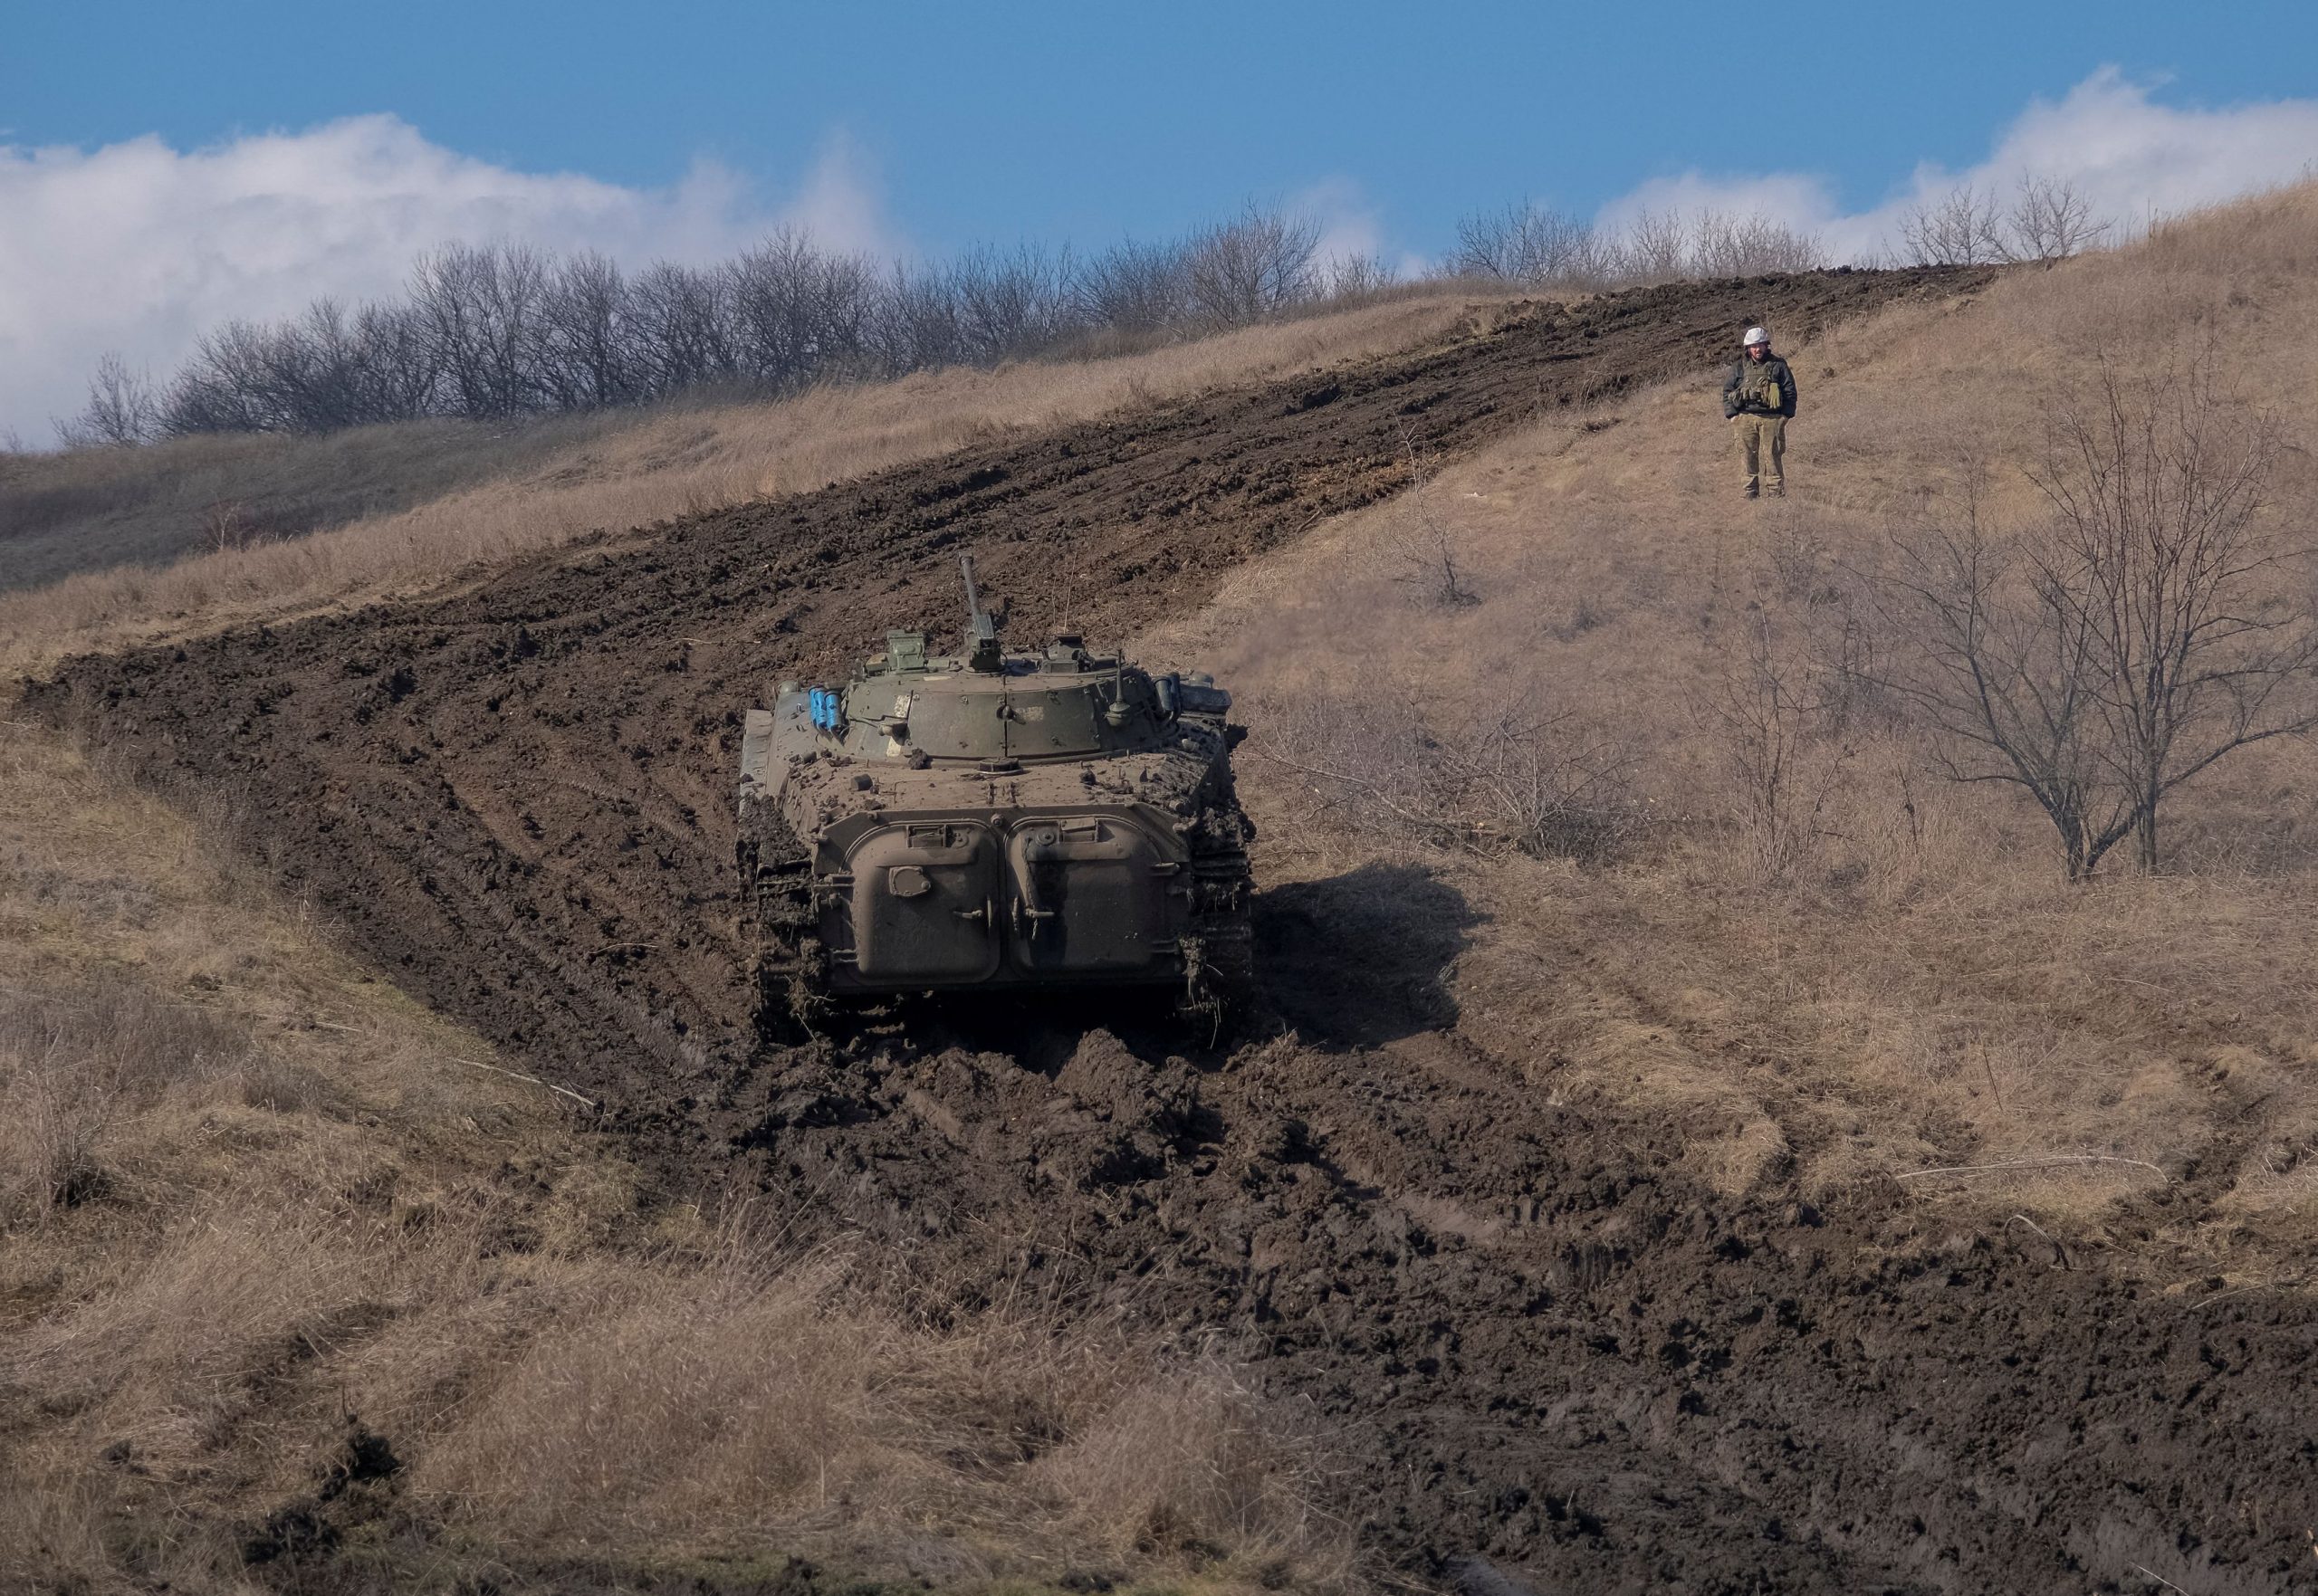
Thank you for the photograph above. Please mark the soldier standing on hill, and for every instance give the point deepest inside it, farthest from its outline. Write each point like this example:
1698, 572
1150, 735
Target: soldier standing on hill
1758, 399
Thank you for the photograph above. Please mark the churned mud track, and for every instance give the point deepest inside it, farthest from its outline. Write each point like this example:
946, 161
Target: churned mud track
1541, 1357
1544, 1365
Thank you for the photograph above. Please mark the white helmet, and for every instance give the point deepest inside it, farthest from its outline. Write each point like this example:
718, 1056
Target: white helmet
1754, 335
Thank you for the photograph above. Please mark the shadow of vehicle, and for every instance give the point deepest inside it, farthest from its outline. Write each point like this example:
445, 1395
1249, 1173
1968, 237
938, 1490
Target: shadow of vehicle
1363, 958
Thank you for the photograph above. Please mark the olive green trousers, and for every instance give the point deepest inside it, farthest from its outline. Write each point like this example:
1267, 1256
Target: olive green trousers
1762, 452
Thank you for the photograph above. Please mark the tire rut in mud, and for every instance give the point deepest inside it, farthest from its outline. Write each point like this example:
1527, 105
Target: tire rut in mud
1541, 1349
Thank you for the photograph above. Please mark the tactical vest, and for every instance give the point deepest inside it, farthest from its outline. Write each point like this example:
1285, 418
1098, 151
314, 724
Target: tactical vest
1759, 389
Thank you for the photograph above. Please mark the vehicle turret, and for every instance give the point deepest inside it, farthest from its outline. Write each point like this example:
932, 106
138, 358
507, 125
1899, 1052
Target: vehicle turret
987, 819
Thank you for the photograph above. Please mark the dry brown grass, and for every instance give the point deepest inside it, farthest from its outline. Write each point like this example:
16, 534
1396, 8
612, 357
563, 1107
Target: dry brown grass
1880, 972
608, 473
87, 510
246, 1192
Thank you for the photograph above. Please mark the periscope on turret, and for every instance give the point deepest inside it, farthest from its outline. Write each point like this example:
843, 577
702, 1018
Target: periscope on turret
949, 823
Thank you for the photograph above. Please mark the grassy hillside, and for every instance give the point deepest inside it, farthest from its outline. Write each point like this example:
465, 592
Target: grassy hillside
1871, 972
93, 509
108, 546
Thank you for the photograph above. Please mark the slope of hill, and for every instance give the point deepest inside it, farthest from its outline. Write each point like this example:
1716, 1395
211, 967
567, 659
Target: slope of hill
1672, 1212
121, 543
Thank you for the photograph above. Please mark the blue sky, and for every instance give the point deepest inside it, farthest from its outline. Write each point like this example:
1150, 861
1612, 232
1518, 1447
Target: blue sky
1088, 119
163, 167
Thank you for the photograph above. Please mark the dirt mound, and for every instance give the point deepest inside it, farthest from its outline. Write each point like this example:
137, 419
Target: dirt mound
1549, 1361
1542, 1354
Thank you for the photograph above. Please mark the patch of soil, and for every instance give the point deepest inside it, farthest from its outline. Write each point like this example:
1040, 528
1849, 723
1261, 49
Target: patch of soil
1551, 1363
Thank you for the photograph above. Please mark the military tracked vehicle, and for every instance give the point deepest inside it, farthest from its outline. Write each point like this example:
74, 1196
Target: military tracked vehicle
991, 820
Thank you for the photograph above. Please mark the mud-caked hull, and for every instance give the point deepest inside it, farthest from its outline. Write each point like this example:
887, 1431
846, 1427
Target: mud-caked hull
874, 870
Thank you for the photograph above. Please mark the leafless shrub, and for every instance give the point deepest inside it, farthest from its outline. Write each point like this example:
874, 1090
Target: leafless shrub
1428, 558
1421, 552
1768, 713
1354, 278
1655, 248
1964, 228
123, 409
2149, 628
2050, 220
1543, 783
1726, 246
1529, 243
1256, 266
226, 525
1134, 288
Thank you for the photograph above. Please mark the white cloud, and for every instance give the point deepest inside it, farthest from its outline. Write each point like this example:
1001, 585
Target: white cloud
138, 246
1350, 227
2131, 156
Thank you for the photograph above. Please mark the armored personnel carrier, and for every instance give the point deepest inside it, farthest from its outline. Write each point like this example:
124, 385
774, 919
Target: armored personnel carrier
991, 820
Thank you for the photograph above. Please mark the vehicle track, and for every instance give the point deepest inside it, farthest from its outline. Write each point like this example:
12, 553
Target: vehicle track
1537, 1346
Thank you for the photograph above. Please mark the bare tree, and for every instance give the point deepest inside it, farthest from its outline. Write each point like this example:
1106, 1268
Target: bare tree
1962, 229
799, 313
502, 330
2050, 220
123, 409
1529, 243
1254, 266
2147, 630
1726, 246
1352, 277
484, 308
1132, 287
682, 334
1011, 303
399, 372
587, 354
917, 321
1655, 248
